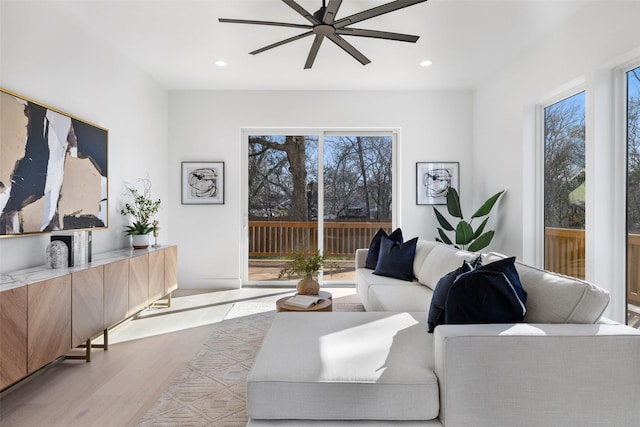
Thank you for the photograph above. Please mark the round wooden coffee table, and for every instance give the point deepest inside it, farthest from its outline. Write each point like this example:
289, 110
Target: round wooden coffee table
325, 305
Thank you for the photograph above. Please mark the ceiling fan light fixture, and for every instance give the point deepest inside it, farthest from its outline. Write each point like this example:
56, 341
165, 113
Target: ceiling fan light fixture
221, 63
426, 63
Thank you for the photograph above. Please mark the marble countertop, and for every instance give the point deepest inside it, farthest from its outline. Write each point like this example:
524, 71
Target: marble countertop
16, 279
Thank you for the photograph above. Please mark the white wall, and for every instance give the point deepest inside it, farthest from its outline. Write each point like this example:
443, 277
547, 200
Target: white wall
582, 53
48, 56
435, 126
52, 58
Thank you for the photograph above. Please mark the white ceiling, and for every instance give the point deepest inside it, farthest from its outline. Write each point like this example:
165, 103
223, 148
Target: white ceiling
178, 41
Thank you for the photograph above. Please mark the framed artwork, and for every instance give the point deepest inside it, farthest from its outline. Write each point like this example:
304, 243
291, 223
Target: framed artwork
53, 169
433, 181
202, 183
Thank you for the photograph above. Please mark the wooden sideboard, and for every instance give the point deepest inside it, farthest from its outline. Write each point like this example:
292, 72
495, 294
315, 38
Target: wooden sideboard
45, 313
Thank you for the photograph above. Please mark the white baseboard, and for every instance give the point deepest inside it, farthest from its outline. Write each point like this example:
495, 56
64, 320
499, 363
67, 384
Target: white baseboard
211, 283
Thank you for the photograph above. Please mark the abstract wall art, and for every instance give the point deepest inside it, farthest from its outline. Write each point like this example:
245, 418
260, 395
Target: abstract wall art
433, 181
202, 183
53, 169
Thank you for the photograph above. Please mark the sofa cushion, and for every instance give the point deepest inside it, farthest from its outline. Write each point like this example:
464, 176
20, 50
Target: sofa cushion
399, 297
439, 299
492, 293
345, 366
441, 260
554, 298
396, 259
423, 249
366, 280
374, 246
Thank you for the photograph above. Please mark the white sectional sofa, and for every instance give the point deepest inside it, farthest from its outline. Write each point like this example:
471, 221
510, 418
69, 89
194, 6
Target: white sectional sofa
564, 365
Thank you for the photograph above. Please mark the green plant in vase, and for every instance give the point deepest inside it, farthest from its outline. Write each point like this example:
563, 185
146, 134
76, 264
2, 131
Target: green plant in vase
142, 207
307, 265
465, 236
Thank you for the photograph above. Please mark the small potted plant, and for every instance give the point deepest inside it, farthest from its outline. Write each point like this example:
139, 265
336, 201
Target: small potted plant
306, 265
141, 208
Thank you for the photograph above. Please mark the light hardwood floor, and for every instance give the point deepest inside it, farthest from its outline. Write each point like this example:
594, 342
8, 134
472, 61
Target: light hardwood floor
118, 386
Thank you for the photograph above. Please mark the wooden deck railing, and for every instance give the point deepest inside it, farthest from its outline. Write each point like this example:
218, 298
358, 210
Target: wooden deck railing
282, 238
564, 251
633, 273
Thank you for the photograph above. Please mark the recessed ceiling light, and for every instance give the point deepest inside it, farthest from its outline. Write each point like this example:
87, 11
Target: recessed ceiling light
221, 63
426, 63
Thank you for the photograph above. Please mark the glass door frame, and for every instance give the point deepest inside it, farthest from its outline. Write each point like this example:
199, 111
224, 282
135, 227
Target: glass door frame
622, 88
320, 133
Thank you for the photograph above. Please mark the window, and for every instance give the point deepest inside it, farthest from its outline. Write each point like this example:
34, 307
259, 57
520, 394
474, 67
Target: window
633, 188
328, 192
564, 186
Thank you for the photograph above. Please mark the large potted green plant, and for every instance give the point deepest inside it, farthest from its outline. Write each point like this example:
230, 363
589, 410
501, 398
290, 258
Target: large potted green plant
142, 207
465, 236
307, 265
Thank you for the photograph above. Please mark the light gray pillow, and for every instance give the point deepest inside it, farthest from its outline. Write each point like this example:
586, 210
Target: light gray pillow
554, 298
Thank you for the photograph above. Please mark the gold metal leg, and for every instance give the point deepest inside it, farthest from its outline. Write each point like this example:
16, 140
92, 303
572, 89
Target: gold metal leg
163, 304
87, 352
105, 340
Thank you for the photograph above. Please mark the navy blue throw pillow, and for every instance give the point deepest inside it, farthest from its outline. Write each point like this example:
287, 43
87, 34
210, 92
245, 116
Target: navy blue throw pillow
374, 246
491, 293
396, 259
439, 297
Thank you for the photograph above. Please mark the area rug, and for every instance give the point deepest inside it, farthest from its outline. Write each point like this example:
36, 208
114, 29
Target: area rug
211, 390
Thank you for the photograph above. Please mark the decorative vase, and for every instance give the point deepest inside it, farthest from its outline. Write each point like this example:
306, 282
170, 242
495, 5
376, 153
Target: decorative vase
308, 286
57, 255
140, 241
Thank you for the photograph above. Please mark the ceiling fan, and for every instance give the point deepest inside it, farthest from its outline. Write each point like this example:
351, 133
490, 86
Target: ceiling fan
324, 24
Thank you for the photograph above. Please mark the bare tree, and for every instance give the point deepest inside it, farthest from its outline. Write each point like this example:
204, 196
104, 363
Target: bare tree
340, 179
283, 177
379, 166
358, 177
363, 173
633, 163
564, 142
272, 156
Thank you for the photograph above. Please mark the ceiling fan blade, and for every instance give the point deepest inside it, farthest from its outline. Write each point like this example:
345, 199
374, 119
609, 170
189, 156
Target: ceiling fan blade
331, 11
302, 11
377, 34
348, 47
277, 24
376, 11
281, 42
314, 51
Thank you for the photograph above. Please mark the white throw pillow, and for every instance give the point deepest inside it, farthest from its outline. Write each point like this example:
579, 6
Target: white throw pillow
423, 249
441, 260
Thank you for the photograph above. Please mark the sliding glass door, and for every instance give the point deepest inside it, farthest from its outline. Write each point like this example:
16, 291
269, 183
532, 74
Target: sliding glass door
357, 196
324, 191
